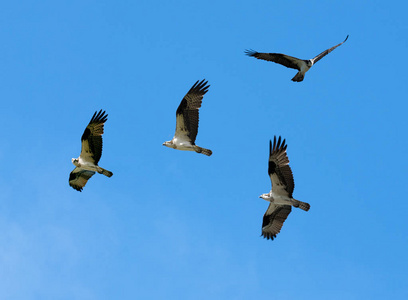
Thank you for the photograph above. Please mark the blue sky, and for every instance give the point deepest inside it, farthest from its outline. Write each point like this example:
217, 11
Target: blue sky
178, 225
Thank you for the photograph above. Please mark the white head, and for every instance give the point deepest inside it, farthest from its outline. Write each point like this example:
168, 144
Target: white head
75, 162
169, 144
266, 197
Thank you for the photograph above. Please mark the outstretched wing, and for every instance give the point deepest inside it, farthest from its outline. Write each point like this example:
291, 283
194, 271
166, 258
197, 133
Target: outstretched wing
324, 53
79, 177
187, 112
273, 220
92, 138
282, 59
279, 170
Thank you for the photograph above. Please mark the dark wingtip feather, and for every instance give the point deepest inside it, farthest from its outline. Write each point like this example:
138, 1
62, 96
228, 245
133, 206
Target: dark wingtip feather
268, 236
280, 144
346, 38
200, 86
75, 187
250, 52
93, 117
99, 117
276, 144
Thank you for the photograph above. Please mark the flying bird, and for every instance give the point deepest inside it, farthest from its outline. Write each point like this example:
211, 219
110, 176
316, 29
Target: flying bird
187, 120
292, 62
87, 162
280, 196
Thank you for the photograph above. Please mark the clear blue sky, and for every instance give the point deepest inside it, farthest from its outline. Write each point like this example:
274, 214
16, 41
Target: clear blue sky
178, 225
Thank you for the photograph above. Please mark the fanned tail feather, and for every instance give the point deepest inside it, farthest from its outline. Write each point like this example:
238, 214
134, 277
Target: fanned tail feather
104, 172
207, 152
107, 173
302, 205
298, 77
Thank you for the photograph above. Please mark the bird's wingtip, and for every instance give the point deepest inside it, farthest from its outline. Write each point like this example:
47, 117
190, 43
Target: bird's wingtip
250, 52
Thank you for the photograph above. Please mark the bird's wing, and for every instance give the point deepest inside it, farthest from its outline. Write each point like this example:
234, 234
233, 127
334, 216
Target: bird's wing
187, 112
273, 220
324, 53
92, 138
79, 177
279, 170
283, 59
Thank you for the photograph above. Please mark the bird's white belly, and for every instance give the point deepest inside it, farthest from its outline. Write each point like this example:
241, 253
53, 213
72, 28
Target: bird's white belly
280, 199
183, 144
87, 165
186, 147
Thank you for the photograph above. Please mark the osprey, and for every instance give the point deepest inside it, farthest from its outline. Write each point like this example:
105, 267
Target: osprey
280, 196
292, 62
91, 151
187, 120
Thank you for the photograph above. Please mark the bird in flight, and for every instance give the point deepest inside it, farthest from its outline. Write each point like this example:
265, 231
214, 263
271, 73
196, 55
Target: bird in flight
187, 120
292, 62
280, 196
87, 163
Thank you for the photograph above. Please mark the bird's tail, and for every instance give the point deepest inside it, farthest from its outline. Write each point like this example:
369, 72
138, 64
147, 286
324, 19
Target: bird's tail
298, 77
105, 172
302, 205
202, 150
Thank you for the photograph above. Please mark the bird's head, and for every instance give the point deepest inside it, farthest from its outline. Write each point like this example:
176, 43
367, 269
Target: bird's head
265, 197
75, 161
168, 144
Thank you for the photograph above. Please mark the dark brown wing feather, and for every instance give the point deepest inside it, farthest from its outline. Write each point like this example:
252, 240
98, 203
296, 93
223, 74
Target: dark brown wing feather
187, 112
79, 177
282, 59
324, 53
273, 220
92, 138
278, 169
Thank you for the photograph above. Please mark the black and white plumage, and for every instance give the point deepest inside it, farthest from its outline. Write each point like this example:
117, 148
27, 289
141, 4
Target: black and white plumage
280, 196
87, 162
292, 62
187, 120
